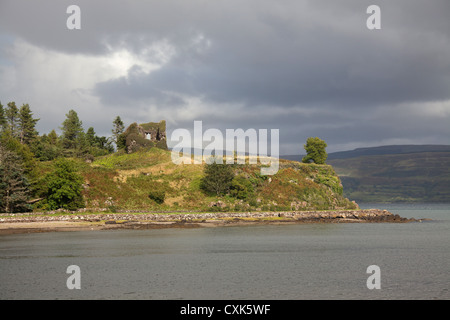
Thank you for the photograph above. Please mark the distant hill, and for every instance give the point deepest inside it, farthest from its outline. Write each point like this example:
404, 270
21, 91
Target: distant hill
382, 150
388, 150
402, 173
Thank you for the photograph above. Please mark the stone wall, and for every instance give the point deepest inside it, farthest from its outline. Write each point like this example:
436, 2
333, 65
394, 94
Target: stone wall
146, 135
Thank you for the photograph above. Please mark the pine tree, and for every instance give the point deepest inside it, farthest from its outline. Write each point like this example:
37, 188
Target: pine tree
46, 147
73, 136
28, 162
2, 118
13, 184
12, 119
90, 137
118, 128
27, 124
53, 137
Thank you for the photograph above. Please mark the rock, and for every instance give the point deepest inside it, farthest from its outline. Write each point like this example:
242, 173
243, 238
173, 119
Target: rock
219, 204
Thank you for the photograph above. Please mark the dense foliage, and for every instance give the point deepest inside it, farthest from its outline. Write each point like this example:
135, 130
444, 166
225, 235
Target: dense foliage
315, 151
13, 183
23, 150
217, 178
64, 186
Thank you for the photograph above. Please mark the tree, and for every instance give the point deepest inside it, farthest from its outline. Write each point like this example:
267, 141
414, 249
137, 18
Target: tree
121, 142
73, 136
26, 125
117, 132
13, 184
98, 146
12, 118
2, 118
64, 186
104, 144
12, 144
46, 147
217, 178
315, 151
90, 137
53, 137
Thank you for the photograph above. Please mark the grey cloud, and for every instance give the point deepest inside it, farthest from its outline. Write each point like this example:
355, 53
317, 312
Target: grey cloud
312, 55
289, 65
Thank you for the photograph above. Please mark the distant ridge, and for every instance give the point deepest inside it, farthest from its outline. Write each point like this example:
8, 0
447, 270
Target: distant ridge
392, 149
376, 151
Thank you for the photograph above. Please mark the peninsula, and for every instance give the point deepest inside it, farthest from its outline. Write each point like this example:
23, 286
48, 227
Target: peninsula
140, 187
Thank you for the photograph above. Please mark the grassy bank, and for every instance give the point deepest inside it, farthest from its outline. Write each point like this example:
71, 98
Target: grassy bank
127, 182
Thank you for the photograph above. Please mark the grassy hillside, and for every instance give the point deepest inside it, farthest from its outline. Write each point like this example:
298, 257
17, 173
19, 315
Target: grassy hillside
416, 176
125, 181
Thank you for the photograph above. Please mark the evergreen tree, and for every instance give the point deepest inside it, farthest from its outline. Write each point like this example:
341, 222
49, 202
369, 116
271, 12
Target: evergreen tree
90, 137
117, 131
13, 184
104, 144
12, 144
27, 124
53, 137
12, 119
2, 118
73, 136
46, 147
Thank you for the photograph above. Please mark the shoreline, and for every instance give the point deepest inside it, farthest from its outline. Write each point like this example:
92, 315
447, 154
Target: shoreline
114, 221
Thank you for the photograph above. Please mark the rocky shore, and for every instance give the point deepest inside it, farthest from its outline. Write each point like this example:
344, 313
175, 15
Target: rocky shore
75, 221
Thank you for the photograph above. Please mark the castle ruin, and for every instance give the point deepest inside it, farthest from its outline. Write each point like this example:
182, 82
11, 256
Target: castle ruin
145, 135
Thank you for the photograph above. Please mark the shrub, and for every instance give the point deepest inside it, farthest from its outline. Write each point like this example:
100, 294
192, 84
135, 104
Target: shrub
217, 178
64, 186
157, 195
241, 188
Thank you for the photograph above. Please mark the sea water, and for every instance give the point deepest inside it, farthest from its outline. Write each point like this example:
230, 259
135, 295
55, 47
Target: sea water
304, 261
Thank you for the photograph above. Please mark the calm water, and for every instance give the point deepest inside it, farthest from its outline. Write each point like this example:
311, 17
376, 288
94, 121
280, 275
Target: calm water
327, 261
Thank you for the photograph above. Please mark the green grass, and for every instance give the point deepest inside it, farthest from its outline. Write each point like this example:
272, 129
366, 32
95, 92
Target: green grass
139, 159
126, 181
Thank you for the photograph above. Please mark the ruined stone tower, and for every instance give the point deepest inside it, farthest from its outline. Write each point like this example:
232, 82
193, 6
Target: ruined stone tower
146, 135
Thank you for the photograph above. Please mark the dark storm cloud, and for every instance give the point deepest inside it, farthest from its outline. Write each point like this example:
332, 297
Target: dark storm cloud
313, 61
265, 60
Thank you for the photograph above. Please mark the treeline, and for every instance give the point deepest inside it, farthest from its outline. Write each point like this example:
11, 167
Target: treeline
22, 149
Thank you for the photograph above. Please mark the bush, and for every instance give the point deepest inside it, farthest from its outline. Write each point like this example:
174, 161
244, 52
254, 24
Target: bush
217, 178
241, 188
64, 186
157, 195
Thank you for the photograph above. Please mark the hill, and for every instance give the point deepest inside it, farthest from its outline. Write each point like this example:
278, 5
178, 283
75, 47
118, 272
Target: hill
405, 173
388, 150
377, 151
123, 181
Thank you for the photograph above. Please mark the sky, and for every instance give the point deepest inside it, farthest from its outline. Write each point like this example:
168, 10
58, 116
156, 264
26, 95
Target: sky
309, 68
